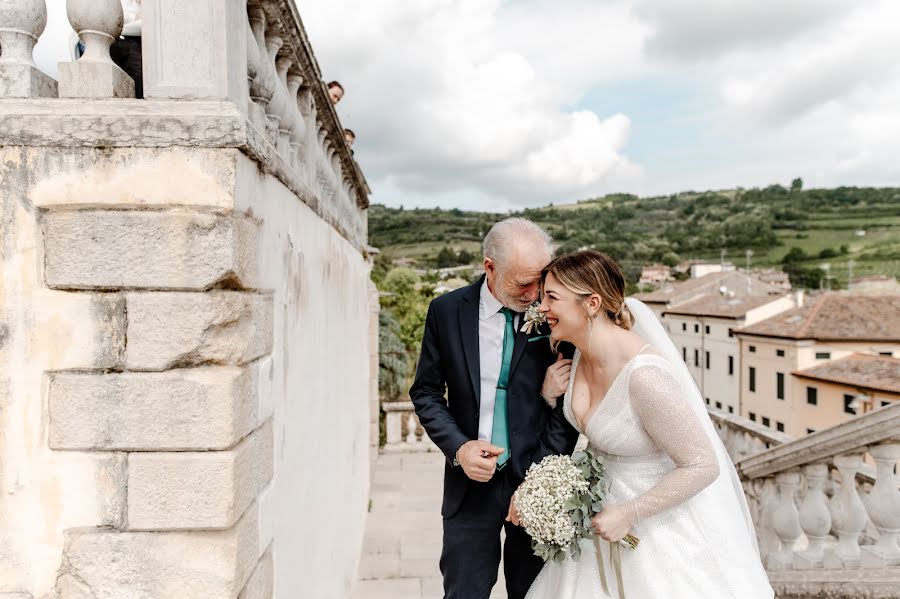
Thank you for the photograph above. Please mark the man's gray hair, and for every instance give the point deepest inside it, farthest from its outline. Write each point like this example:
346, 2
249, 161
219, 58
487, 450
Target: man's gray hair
506, 232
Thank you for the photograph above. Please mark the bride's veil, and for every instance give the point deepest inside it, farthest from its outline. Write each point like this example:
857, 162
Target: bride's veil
722, 505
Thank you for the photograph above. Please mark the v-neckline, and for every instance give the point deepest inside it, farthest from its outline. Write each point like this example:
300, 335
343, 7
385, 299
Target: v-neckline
593, 410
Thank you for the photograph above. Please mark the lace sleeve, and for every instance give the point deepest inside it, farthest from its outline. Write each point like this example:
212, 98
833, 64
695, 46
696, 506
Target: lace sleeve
665, 414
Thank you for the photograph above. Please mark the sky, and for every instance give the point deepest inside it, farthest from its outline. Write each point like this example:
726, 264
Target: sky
504, 104
499, 105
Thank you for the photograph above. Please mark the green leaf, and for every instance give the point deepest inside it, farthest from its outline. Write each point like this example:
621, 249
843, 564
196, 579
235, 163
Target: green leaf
597, 507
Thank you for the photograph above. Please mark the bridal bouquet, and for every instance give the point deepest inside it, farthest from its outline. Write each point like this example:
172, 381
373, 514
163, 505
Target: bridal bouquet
557, 501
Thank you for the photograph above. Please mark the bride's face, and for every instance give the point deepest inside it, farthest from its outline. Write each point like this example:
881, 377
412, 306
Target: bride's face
565, 310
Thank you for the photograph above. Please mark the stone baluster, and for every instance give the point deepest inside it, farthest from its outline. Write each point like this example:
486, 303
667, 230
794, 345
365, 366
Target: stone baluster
393, 426
98, 23
288, 110
815, 519
768, 502
785, 520
260, 85
21, 24
275, 107
298, 132
848, 515
883, 506
307, 115
411, 425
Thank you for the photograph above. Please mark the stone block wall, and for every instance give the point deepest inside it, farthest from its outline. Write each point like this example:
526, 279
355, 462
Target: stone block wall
179, 383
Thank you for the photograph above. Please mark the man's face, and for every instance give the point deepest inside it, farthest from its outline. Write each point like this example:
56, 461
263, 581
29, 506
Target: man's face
335, 93
516, 282
349, 138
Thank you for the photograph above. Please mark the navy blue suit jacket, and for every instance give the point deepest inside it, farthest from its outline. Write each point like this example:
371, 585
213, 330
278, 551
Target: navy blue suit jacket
447, 388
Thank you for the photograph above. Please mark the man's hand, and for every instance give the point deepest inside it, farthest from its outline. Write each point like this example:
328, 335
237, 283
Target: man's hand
556, 381
478, 459
513, 514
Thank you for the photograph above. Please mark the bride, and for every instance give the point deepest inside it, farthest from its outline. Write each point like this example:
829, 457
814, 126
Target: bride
672, 484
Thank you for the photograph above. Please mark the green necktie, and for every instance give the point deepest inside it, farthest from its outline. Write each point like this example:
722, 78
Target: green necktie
500, 429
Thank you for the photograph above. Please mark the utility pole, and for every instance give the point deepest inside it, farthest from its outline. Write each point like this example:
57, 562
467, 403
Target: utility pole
749, 278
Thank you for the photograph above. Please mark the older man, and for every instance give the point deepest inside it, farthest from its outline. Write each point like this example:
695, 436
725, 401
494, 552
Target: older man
494, 422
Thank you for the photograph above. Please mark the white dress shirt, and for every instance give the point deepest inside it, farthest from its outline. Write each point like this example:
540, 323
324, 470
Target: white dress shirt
491, 323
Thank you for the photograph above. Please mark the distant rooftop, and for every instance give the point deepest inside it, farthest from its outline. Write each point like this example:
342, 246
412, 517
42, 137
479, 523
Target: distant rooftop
878, 373
681, 292
836, 316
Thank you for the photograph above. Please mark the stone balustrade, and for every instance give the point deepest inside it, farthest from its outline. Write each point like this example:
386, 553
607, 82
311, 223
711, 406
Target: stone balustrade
402, 429
252, 55
827, 521
742, 437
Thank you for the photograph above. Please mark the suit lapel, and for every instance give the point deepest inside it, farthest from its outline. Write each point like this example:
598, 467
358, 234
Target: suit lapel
468, 332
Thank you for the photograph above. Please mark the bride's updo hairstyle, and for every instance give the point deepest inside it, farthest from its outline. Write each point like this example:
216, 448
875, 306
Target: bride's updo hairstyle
588, 272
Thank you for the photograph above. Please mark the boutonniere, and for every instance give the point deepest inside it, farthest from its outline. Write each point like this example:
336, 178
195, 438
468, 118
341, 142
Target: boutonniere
534, 318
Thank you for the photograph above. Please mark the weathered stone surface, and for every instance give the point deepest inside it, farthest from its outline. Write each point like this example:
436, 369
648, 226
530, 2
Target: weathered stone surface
166, 330
153, 565
122, 123
84, 79
261, 583
89, 249
131, 177
192, 408
25, 81
76, 330
187, 490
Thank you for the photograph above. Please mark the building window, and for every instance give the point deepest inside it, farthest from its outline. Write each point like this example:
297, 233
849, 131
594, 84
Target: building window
752, 379
731, 409
707, 400
684, 354
752, 349
885, 353
730, 333
812, 396
810, 431
779, 426
765, 420
848, 399
718, 405
683, 326
696, 357
752, 416
707, 360
731, 365
707, 329
779, 353
780, 390
823, 355
696, 328
884, 404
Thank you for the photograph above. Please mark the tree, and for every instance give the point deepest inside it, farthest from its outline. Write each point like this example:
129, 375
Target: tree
794, 255
797, 184
394, 364
446, 257
465, 257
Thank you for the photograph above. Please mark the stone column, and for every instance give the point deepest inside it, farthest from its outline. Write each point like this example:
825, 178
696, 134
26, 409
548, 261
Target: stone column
196, 50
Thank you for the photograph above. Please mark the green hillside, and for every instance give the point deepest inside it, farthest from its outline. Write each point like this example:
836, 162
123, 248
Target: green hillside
810, 227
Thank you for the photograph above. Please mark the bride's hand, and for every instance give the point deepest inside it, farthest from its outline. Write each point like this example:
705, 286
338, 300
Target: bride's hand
613, 523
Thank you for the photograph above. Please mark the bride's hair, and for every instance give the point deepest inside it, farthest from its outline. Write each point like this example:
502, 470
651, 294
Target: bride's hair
588, 272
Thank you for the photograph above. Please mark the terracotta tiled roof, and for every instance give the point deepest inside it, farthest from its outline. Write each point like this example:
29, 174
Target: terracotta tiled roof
716, 304
681, 292
836, 316
881, 373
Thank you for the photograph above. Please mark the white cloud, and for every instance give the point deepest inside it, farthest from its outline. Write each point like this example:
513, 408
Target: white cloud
448, 95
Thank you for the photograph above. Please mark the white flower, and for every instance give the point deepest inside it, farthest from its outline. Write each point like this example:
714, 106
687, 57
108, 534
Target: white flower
533, 318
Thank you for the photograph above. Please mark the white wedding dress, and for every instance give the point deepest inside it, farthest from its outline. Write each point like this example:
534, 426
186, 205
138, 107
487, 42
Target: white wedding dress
667, 465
